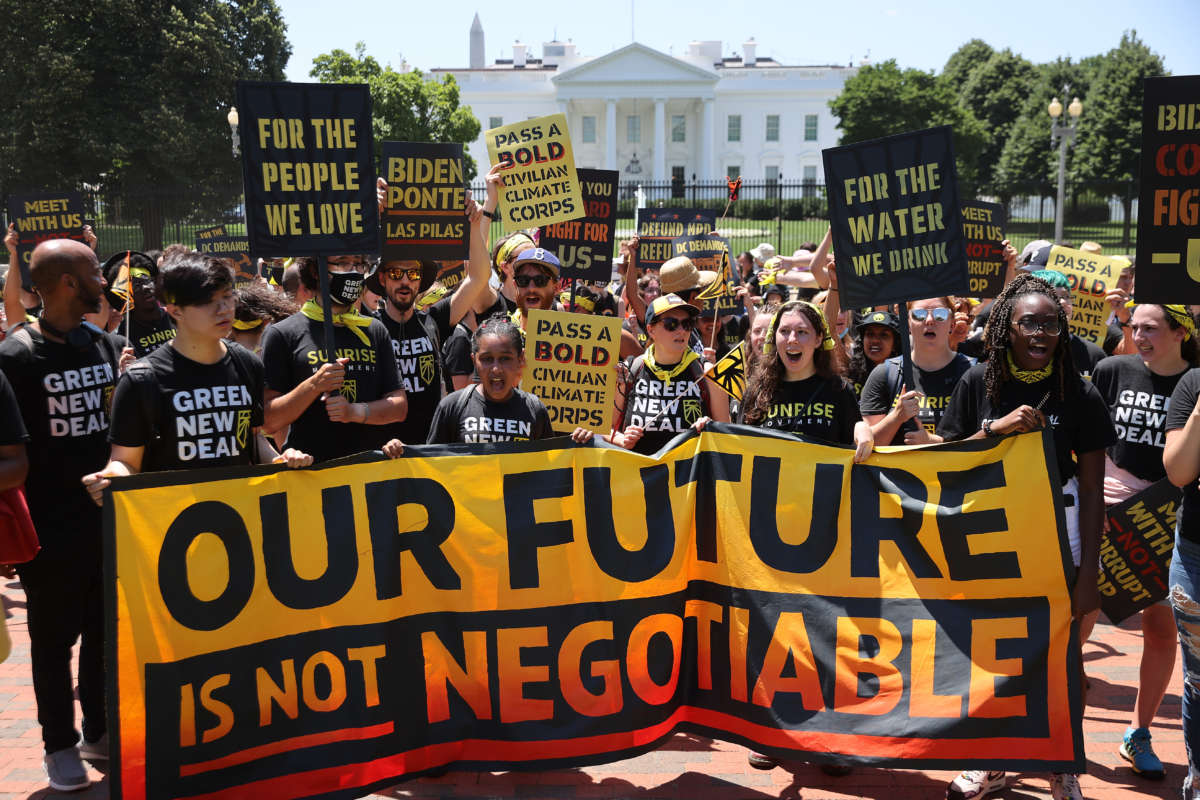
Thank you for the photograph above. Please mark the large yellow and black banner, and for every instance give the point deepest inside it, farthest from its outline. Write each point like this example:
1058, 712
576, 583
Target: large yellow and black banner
322, 632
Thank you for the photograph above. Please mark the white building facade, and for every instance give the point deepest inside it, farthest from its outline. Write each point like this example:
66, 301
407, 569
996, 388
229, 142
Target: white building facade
656, 117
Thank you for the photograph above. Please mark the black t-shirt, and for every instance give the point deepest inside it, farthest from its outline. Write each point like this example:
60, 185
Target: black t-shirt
12, 427
502, 306
1183, 402
146, 336
293, 350
663, 409
417, 347
639, 333
466, 416
882, 389
1085, 355
1113, 337
1081, 425
731, 334
1138, 401
65, 396
816, 406
204, 415
456, 352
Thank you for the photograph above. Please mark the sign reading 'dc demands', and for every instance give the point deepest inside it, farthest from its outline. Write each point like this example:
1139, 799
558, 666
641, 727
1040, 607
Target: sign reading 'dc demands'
569, 362
426, 199
320, 633
38, 217
896, 218
659, 227
309, 168
1168, 243
234, 248
584, 246
1092, 278
540, 183
983, 227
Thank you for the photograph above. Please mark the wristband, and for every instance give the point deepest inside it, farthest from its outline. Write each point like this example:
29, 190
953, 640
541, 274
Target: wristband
490, 215
366, 412
987, 428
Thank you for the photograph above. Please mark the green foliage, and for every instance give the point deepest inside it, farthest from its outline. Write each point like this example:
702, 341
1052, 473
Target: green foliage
407, 106
994, 91
963, 62
882, 100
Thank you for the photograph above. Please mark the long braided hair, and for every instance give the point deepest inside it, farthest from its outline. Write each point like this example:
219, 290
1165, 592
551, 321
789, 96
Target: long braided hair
997, 338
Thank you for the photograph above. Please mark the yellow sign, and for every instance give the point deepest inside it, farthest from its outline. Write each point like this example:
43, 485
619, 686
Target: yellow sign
1092, 277
540, 183
304, 633
730, 372
570, 362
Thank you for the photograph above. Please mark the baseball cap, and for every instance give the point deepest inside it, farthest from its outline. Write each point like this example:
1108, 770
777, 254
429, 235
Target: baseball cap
542, 257
884, 318
664, 303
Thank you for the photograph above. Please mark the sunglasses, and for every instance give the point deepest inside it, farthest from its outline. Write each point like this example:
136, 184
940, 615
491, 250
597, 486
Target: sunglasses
540, 281
1030, 325
922, 314
396, 273
673, 324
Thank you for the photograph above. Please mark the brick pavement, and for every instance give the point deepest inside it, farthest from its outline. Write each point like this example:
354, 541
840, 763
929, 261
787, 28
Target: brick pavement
689, 767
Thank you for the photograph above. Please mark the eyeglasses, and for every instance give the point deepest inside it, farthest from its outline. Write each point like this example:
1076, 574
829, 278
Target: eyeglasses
540, 281
396, 273
1031, 325
939, 314
672, 324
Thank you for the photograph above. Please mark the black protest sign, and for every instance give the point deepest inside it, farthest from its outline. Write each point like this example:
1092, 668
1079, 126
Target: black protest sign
983, 228
451, 277
235, 249
584, 246
1168, 239
309, 170
424, 217
204, 234
38, 217
658, 227
896, 218
710, 254
1135, 552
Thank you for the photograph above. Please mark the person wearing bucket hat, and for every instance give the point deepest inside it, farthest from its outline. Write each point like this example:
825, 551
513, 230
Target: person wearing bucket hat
665, 392
763, 253
149, 324
417, 335
877, 338
679, 276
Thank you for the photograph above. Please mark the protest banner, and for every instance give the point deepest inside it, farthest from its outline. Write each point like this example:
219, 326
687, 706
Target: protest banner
309, 168
1135, 551
38, 217
1092, 278
896, 219
983, 229
211, 233
1168, 233
541, 186
657, 228
424, 217
323, 632
584, 246
569, 361
730, 372
234, 248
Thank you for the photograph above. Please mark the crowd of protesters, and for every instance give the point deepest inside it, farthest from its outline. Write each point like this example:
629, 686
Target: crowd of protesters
161, 361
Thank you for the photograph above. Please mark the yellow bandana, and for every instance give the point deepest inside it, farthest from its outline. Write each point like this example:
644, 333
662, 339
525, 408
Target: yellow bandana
667, 375
1181, 315
507, 249
354, 321
246, 326
1028, 375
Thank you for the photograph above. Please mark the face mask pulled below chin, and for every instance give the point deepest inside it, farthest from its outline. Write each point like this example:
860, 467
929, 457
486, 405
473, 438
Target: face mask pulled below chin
345, 287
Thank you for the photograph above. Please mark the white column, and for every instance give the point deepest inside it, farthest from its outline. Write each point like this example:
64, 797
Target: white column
610, 135
660, 139
707, 171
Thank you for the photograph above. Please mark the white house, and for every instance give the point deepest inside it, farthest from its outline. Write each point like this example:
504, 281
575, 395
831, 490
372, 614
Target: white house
657, 117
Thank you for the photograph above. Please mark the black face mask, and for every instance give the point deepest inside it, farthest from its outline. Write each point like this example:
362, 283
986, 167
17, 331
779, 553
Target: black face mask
346, 287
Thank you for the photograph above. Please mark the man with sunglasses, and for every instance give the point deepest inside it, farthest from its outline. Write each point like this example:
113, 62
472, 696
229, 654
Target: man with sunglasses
535, 274
417, 335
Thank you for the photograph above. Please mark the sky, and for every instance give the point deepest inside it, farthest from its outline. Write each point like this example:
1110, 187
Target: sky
914, 33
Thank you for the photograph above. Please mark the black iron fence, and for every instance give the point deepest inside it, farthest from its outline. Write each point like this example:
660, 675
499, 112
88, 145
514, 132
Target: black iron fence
785, 213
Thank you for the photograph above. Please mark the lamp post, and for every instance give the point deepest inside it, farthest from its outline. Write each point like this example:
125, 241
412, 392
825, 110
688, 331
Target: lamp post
232, 119
1062, 131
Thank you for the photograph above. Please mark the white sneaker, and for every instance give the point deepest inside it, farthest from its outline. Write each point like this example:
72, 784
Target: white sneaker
66, 771
1065, 786
975, 783
95, 751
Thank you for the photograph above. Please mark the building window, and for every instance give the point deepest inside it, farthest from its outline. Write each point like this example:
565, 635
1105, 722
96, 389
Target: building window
771, 174
772, 127
677, 180
589, 130
735, 128
733, 173
495, 122
678, 128
810, 127
633, 130
810, 181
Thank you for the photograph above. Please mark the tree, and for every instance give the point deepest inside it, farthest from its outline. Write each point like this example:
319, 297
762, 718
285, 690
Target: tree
882, 100
963, 62
407, 106
995, 92
131, 96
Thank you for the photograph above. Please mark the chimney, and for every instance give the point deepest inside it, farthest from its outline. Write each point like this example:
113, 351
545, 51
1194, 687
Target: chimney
478, 58
748, 48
